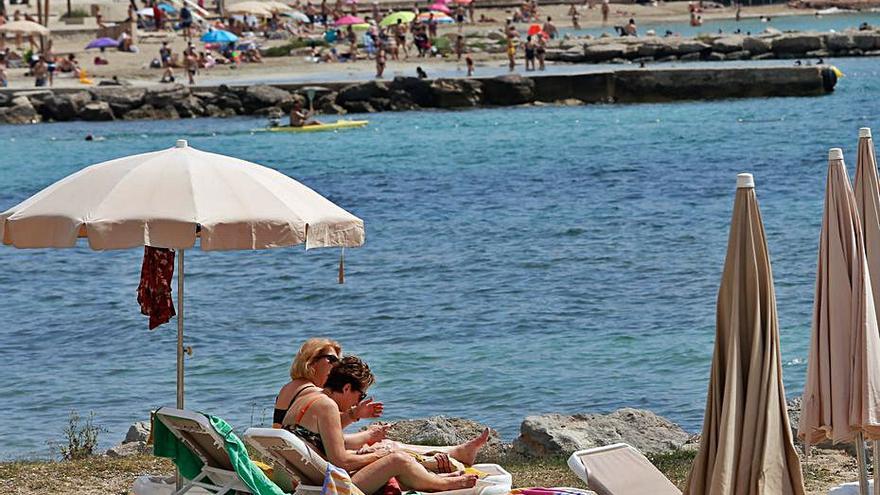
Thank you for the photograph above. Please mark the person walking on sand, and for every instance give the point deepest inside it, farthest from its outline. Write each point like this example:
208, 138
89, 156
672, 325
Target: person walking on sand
540, 51
191, 61
459, 47
380, 61
400, 37
573, 12
472, 11
606, 9
469, 62
530, 54
511, 52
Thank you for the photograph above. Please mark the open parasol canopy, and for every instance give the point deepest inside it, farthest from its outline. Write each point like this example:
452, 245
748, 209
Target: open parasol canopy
171, 198
391, 19
102, 43
219, 36
348, 20
250, 8
24, 27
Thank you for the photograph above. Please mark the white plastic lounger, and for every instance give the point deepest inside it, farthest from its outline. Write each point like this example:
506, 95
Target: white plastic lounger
297, 459
194, 430
620, 469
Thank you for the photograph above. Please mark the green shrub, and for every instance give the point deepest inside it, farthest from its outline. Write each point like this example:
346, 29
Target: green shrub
82, 438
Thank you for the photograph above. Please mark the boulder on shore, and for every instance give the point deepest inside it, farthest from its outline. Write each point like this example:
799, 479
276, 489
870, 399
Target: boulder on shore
20, 111
559, 435
511, 89
442, 430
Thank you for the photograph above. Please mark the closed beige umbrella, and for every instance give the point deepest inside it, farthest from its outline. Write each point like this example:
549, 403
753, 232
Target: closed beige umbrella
841, 397
169, 198
867, 190
746, 446
24, 27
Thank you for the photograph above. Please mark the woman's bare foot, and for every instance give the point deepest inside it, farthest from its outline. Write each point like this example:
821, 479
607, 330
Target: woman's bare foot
467, 452
460, 482
451, 475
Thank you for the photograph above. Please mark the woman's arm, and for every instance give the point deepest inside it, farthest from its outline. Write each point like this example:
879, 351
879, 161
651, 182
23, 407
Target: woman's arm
330, 427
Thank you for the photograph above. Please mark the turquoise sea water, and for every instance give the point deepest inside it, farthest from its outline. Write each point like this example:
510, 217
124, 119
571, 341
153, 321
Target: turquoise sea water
518, 261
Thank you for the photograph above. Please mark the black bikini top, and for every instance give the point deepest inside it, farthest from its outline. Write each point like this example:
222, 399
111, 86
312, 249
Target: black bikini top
278, 414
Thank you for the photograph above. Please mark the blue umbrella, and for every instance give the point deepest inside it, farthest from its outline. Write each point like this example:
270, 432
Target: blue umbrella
219, 36
102, 43
167, 8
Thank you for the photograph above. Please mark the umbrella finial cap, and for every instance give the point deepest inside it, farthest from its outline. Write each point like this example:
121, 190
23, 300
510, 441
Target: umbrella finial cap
745, 181
835, 154
865, 132
181, 143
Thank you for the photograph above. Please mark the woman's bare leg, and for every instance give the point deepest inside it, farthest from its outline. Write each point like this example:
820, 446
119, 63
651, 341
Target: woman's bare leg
409, 473
465, 452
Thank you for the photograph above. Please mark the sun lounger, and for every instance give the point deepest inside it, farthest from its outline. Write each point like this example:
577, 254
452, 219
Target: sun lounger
217, 475
296, 458
619, 469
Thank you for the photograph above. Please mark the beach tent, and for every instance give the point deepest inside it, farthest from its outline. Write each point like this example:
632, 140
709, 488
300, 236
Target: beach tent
747, 446
841, 399
173, 197
391, 19
24, 27
866, 187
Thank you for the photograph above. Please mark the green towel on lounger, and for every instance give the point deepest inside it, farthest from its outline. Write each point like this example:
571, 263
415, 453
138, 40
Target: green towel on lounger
250, 474
165, 444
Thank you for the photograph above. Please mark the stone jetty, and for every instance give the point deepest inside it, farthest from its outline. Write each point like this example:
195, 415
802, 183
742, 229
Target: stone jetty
768, 45
408, 93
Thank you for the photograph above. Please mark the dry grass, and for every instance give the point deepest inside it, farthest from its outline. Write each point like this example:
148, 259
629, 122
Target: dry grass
103, 475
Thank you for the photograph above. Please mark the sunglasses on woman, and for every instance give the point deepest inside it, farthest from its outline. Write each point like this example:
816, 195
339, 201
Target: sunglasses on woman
331, 358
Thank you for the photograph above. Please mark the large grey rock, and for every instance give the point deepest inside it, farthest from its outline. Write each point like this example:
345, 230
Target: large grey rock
692, 46
262, 96
419, 90
149, 112
63, 107
510, 89
121, 100
456, 93
740, 55
728, 44
138, 432
657, 47
20, 111
164, 97
358, 106
327, 104
755, 46
362, 92
129, 449
4, 99
96, 111
602, 52
866, 41
189, 107
839, 42
559, 435
796, 43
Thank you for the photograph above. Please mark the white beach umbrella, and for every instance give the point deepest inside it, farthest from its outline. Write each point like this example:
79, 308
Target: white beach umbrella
250, 7
841, 400
866, 187
747, 446
171, 197
24, 27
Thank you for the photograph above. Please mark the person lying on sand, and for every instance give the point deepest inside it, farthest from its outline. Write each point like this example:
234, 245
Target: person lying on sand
371, 466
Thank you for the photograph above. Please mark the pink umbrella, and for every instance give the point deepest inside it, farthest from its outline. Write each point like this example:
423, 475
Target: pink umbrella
347, 20
439, 7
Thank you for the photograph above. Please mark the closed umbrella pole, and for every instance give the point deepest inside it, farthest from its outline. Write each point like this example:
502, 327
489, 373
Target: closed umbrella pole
180, 362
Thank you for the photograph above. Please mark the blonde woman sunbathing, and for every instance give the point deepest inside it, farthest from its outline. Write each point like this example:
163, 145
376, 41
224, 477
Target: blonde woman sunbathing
315, 417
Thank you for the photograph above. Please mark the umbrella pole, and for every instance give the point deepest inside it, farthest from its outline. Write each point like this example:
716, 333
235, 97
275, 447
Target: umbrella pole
876, 466
180, 329
863, 468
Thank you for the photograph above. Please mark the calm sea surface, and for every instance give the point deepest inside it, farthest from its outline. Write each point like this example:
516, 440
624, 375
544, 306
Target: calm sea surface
518, 261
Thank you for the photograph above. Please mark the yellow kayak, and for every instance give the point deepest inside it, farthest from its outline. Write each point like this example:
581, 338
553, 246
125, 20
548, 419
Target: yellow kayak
339, 124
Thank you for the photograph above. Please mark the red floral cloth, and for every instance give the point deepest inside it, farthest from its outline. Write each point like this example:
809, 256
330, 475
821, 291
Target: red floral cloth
154, 291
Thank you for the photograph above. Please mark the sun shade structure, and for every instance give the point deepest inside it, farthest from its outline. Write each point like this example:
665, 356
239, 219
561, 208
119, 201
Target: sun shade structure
24, 27
170, 198
841, 400
747, 446
405, 17
866, 187
250, 8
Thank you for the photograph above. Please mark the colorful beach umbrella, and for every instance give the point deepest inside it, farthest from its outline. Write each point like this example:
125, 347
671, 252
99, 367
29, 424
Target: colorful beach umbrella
463, 2
439, 17
102, 43
391, 19
746, 445
440, 7
171, 199
841, 399
866, 187
347, 20
219, 36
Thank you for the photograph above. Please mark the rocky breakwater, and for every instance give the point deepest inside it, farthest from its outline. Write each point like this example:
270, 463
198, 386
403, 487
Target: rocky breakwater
408, 93
771, 45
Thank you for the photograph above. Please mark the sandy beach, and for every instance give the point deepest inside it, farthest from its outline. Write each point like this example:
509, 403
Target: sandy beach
134, 68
